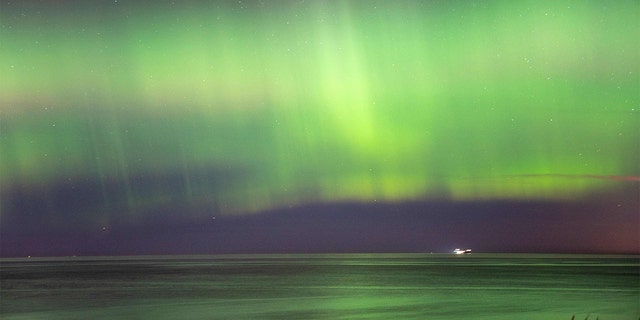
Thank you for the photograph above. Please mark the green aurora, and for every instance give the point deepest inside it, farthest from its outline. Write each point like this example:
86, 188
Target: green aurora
248, 106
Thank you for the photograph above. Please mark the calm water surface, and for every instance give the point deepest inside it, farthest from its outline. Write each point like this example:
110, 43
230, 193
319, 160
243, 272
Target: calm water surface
345, 286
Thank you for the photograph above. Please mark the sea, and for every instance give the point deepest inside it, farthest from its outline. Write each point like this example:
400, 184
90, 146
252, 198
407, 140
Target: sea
323, 286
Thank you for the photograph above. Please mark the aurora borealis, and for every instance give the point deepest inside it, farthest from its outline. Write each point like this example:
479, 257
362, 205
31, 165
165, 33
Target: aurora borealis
118, 116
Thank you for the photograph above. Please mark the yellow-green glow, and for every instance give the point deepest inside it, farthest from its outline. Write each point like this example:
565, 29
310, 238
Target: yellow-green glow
270, 105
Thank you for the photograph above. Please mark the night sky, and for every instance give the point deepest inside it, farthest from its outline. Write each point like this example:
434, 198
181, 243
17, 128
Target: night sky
203, 127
